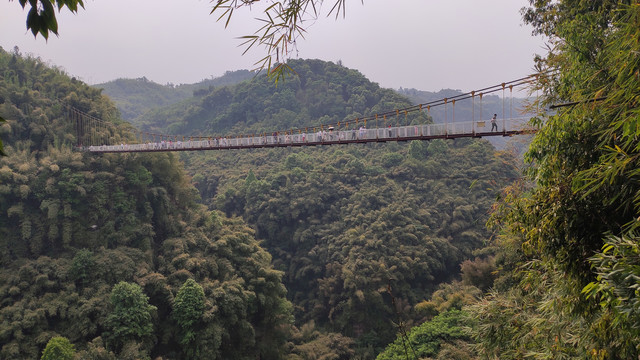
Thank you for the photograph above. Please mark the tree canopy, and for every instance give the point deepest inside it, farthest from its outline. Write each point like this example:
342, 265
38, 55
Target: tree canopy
58, 348
74, 226
188, 308
443, 337
573, 233
130, 316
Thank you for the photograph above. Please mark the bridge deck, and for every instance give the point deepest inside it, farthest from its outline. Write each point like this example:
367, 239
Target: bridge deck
506, 127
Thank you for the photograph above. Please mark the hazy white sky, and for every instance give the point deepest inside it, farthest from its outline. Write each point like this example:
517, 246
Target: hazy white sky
422, 44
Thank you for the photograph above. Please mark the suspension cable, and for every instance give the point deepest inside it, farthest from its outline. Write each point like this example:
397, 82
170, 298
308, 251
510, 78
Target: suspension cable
419, 107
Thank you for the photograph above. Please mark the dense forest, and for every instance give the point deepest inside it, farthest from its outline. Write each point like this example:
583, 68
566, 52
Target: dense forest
570, 270
356, 230
114, 253
420, 250
344, 232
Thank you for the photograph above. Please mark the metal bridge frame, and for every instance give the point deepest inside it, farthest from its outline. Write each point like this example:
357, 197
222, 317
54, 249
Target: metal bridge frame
510, 127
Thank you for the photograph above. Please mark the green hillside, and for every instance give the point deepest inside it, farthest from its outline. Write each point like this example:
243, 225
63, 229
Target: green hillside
319, 93
113, 252
344, 224
137, 96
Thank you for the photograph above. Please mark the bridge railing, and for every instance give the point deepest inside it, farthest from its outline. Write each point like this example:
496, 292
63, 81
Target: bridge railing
480, 128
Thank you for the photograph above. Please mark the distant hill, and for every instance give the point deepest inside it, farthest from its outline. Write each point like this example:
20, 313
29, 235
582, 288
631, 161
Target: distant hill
134, 97
319, 93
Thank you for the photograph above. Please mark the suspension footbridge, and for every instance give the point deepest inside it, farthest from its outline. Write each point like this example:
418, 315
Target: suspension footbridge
97, 136
517, 126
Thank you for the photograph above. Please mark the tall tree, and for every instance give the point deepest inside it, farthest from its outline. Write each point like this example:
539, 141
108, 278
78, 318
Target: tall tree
584, 161
436, 338
130, 319
58, 348
188, 308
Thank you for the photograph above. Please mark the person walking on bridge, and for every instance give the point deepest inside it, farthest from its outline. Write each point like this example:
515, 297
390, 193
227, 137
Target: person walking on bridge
494, 124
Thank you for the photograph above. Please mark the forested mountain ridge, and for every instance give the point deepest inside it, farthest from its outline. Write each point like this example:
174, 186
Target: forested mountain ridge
137, 96
113, 252
319, 93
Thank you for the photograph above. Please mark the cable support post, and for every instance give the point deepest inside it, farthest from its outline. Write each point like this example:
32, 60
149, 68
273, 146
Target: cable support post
446, 126
473, 111
511, 102
406, 118
82, 130
453, 110
397, 119
429, 115
480, 95
504, 123
377, 126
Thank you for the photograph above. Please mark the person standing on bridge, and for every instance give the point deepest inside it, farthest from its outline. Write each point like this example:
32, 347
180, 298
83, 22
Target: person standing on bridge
494, 123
